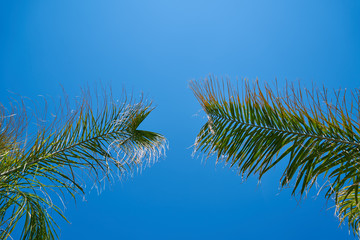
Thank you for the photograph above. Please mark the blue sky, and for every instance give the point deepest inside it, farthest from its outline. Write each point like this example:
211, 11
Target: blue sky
156, 47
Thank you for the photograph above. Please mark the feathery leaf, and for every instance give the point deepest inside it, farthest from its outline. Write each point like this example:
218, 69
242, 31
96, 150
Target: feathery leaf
83, 142
255, 130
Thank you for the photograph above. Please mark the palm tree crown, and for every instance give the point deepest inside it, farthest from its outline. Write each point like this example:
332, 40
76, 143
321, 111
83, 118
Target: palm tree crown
255, 129
83, 142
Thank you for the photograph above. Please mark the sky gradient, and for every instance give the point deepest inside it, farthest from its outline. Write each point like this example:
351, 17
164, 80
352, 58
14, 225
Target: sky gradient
157, 47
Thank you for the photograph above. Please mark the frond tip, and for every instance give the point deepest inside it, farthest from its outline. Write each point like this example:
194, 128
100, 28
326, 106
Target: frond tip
82, 143
254, 129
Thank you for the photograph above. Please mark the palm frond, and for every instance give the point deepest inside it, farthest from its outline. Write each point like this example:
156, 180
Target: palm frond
85, 142
255, 129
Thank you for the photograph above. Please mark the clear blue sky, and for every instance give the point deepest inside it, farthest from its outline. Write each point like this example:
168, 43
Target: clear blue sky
157, 47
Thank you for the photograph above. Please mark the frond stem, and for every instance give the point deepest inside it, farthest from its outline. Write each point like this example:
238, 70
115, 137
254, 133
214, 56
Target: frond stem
62, 150
289, 132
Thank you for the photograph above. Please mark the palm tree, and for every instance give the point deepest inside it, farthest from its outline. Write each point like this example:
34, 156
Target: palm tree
253, 130
83, 142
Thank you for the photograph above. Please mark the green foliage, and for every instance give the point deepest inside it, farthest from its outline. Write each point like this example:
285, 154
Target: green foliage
254, 130
82, 142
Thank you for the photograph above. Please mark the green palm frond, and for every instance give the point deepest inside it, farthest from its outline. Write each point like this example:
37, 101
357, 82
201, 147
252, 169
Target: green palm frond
255, 129
86, 143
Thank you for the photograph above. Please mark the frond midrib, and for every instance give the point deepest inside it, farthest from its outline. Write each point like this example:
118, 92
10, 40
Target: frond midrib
285, 131
63, 150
